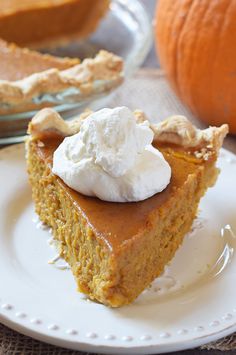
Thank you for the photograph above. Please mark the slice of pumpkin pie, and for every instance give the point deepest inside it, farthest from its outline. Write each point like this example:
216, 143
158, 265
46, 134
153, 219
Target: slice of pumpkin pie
119, 193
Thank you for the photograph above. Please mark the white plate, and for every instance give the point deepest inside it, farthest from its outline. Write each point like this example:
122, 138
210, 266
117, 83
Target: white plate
194, 302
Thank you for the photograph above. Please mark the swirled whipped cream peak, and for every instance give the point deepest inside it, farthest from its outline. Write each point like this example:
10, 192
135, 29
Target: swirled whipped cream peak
112, 158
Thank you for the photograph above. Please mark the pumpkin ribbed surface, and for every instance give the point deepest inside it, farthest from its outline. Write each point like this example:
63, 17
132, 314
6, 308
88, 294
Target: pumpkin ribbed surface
196, 43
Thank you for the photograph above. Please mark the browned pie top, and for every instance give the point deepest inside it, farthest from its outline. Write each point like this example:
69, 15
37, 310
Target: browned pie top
42, 22
116, 223
13, 6
17, 63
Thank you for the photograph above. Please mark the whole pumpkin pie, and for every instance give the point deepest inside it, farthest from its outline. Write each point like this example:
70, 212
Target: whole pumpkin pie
27, 22
27, 77
116, 250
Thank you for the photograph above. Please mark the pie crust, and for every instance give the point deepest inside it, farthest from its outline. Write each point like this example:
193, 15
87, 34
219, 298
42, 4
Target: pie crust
91, 77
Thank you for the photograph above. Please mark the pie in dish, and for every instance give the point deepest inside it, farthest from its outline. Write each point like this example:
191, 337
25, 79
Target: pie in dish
116, 250
27, 22
27, 76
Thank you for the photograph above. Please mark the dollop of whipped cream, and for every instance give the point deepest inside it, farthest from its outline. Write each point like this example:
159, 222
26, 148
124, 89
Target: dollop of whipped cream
112, 158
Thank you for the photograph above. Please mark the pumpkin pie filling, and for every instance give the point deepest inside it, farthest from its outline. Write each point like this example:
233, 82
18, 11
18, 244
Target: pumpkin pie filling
124, 219
30, 80
42, 22
115, 250
26, 75
18, 63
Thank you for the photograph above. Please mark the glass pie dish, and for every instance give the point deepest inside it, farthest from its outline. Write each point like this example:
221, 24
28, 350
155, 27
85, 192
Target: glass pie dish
125, 31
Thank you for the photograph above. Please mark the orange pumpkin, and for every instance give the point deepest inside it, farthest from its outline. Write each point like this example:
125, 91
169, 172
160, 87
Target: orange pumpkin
196, 43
